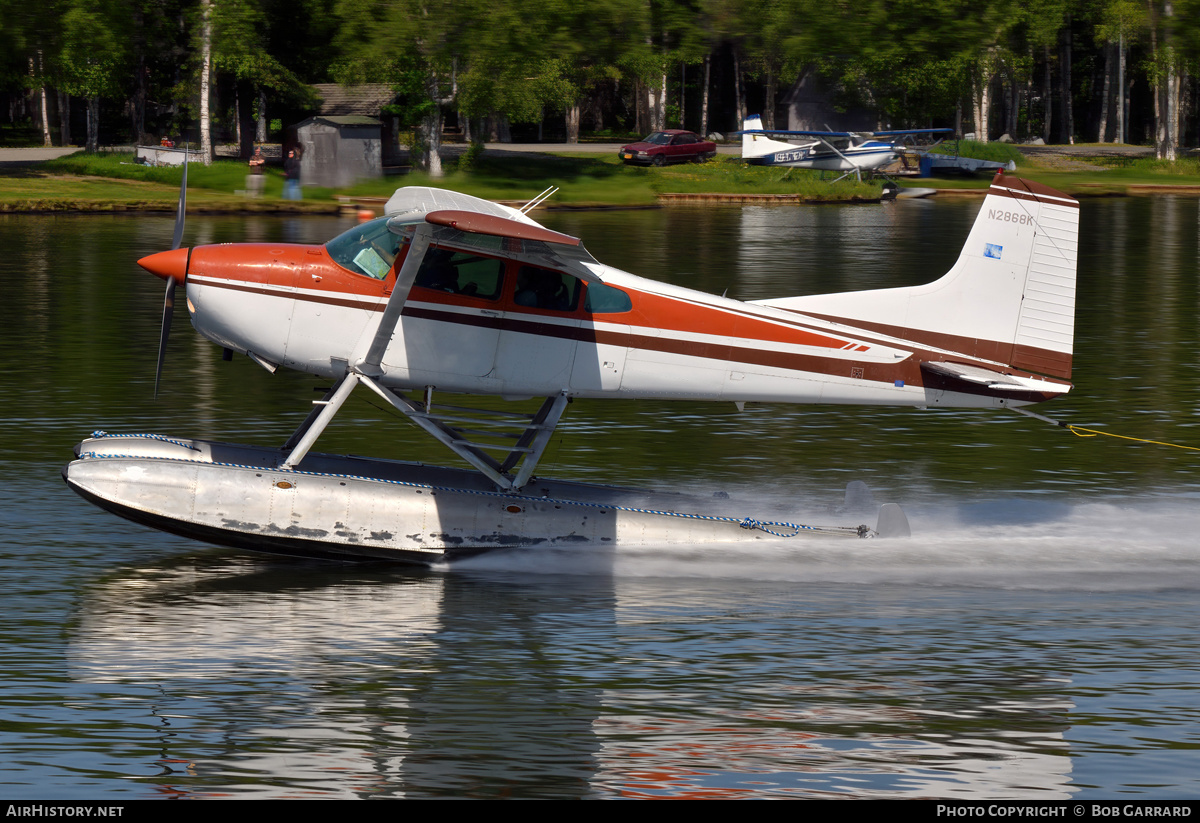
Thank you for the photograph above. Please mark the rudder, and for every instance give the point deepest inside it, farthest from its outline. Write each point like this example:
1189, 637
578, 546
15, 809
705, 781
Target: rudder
758, 145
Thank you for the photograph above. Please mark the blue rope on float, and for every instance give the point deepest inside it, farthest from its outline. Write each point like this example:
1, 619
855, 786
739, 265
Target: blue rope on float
101, 433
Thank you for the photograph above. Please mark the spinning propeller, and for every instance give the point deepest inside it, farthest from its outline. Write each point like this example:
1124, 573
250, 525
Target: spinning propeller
171, 266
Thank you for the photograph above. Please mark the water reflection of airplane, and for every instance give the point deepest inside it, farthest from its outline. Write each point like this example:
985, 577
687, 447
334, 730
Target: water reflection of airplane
247, 680
845, 151
453, 293
261, 681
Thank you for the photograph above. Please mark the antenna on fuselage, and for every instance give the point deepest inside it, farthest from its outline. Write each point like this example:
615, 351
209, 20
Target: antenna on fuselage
537, 201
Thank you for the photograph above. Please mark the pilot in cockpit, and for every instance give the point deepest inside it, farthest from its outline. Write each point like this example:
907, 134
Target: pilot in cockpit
437, 272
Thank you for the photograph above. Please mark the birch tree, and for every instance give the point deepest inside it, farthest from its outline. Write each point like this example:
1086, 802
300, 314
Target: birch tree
241, 55
1166, 77
206, 38
33, 32
1117, 26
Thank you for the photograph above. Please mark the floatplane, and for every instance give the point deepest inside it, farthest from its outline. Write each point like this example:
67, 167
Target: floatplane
450, 294
844, 151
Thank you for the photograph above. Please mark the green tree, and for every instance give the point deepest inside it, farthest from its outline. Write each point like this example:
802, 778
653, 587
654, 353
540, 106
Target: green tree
415, 47
241, 53
1118, 23
35, 32
94, 57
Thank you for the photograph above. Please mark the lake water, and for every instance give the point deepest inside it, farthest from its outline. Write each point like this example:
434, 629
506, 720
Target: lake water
1036, 638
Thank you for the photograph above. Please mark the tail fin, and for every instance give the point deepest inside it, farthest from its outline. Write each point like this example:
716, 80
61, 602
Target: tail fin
758, 145
1009, 299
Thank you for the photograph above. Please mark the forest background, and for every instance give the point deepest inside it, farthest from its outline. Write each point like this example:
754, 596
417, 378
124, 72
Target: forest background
119, 71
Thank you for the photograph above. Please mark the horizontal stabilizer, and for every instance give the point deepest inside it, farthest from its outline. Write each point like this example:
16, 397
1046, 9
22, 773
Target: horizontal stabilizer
994, 380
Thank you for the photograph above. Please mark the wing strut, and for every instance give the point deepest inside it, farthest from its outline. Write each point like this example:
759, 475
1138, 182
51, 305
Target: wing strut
857, 171
523, 437
370, 365
313, 425
298, 445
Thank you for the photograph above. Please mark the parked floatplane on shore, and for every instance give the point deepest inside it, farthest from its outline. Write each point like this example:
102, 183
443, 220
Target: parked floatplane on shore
845, 151
451, 294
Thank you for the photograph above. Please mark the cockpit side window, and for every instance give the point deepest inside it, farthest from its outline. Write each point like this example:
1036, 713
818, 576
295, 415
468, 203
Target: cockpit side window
368, 248
539, 288
461, 272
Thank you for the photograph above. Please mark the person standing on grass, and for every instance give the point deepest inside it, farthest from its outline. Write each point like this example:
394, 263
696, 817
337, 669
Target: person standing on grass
291, 176
254, 180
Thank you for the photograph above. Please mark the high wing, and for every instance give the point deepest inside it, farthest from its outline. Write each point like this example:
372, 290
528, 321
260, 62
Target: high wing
841, 134
469, 223
754, 118
753, 125
906, 132
425, 217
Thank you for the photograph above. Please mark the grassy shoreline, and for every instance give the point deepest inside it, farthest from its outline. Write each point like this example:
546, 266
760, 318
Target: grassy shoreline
111, 182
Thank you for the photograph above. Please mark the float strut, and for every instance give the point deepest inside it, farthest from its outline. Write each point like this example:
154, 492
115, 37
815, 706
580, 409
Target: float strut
331, 407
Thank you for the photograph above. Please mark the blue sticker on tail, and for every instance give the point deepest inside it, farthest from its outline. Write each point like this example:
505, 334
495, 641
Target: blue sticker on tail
992, 250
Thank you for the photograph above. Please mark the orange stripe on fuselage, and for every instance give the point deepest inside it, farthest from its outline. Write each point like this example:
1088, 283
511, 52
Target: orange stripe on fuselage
292, 266
287, 265
259, 266
653, 311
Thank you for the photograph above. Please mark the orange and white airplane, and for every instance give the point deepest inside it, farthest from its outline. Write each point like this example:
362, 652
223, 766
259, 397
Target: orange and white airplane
451, 293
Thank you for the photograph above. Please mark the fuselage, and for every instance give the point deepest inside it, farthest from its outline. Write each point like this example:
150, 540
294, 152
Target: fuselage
872, 155
492, 325
760, 150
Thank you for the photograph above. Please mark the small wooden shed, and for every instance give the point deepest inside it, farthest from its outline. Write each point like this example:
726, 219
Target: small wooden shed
338, 150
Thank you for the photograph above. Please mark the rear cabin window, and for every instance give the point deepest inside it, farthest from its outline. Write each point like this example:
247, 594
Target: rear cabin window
460, 272
539, 288
602, 299
368, 248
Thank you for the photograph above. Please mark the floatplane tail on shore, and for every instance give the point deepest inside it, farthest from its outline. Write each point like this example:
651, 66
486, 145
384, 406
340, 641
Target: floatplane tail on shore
754, 145
758, 148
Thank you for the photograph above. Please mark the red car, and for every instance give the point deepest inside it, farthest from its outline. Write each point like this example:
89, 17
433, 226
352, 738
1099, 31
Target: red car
669, 146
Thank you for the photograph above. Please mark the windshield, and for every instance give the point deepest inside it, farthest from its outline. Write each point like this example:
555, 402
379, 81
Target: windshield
658, 138
368, 248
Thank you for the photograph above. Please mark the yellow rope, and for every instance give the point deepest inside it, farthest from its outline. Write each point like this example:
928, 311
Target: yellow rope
1081, 432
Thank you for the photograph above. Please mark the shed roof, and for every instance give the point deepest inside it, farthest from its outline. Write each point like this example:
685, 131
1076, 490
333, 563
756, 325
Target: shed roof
348, 120
366, 99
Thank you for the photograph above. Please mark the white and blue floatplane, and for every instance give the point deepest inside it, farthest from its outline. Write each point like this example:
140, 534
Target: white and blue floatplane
844, 151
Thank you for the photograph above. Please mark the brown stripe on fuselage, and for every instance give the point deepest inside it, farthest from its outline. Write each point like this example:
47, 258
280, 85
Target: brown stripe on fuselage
1041, 361
907, 370
282, 291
